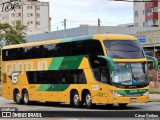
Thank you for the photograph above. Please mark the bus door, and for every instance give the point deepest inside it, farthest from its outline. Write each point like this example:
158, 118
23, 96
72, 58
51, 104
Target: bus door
103, 87
101, 74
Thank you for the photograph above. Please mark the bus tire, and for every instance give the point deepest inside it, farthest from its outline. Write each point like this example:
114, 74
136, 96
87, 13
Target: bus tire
88, 100
25, 97
75, 100
122, 105
17, 97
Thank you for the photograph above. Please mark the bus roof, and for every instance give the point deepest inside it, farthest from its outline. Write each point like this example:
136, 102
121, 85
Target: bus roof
80, 38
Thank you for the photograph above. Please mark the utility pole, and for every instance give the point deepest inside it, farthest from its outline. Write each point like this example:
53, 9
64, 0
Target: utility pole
65, 32
99, 24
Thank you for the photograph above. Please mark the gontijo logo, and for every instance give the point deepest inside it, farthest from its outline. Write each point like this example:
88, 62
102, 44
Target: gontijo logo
25, 66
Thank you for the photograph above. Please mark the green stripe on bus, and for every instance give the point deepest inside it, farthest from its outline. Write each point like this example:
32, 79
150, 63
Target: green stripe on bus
58, 87
81, 38
53, 87
132, 92
55, 63
62, 63
71, 62
43, 87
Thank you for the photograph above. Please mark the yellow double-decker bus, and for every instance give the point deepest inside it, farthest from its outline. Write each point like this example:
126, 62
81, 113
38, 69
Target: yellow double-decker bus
88, 70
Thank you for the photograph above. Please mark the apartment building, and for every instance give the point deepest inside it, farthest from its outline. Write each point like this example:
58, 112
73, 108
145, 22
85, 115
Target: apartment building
139, 14
33, 13
147, 13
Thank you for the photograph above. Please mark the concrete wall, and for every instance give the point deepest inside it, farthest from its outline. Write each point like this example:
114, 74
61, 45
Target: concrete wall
89, 30
74, 32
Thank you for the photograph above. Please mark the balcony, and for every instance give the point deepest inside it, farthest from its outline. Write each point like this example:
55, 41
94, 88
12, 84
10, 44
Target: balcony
153, 15
152, 23
149, 5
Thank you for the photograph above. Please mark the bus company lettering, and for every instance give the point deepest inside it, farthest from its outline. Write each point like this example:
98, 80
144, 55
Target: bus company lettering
26, 66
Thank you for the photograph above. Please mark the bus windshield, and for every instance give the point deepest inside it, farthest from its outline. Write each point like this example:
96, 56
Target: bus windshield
129, 75
124, 49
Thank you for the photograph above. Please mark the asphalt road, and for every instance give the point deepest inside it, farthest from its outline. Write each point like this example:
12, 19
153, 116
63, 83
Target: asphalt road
151, 106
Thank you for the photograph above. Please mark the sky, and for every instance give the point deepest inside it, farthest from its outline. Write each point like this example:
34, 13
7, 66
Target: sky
87, 12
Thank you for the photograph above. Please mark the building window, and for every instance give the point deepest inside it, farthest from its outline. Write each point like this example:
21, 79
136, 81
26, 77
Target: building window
143, 12
37, 22
37, 7
29, 22
155, 9
148, 12
136, 24
18, 7
155, 22
13, 22
29, 14
19, 14
136, 13
150, 23
18, 22
29, 7
144, 24
38, 15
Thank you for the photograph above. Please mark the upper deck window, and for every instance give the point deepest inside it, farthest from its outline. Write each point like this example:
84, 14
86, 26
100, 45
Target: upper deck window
74, 48
124, 49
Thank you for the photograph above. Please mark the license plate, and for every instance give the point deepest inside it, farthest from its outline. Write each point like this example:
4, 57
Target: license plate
133, 99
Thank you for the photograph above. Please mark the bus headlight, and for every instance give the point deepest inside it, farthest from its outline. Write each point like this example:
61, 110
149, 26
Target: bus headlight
116, 93
147, 92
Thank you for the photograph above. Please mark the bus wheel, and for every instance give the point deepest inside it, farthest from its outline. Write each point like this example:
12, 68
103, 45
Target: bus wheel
123, 105
18, 99
25, 97
75, 101
88, 100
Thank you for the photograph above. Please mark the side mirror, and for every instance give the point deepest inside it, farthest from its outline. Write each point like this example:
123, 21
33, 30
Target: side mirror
155, 61
110, 62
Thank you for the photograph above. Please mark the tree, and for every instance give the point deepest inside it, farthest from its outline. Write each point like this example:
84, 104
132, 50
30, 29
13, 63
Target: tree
12, 34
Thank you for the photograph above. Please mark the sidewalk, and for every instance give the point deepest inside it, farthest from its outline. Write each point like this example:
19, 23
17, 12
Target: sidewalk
154, 97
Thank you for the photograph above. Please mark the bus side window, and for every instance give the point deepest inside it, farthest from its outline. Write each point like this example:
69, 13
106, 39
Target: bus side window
97, 62
63, 77
53, 76
73, 77
104, 75
82, 79
56, 77
96, 73
5, 55
21, 53
79, 48
28, 53
94, 47
63, 49
32, 77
